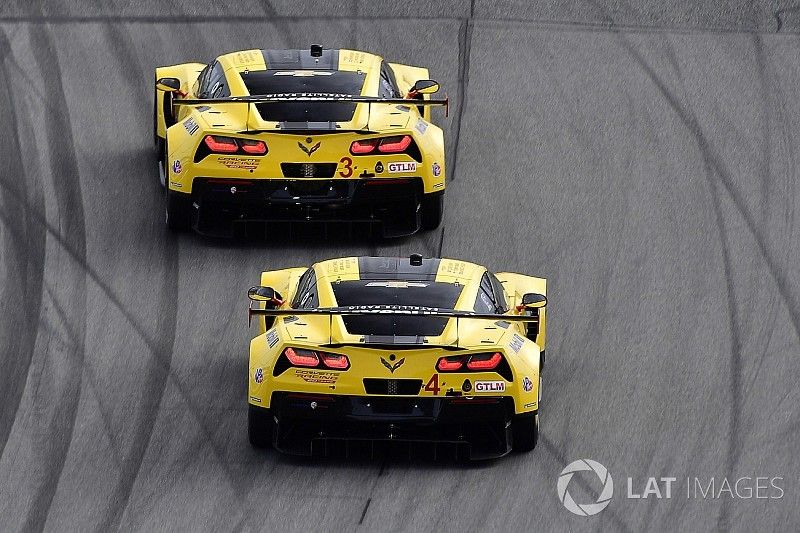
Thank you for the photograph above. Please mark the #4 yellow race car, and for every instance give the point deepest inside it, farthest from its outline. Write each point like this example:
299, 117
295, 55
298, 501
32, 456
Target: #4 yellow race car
438, 354
260, 138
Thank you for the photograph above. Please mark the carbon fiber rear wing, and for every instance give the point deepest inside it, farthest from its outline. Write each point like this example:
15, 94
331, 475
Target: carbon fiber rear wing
313, 97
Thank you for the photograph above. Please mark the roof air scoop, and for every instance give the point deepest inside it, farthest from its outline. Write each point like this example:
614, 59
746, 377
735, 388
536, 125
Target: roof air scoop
316, 50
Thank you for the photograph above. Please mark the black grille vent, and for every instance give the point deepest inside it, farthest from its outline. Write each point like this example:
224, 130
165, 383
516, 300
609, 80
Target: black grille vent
308, 170
403, 387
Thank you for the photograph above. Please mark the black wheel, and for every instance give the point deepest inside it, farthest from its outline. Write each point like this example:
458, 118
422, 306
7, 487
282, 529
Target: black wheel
177, 210
525, 432
432, 211
259, 427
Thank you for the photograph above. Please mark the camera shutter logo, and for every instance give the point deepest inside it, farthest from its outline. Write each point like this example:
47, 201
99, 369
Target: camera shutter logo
585, 509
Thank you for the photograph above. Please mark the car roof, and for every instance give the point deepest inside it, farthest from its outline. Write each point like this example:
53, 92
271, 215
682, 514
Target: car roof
294, 59
398, 268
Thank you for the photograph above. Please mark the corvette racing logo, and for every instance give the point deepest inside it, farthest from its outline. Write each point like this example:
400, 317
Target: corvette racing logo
310, 150
585, 509
392, 367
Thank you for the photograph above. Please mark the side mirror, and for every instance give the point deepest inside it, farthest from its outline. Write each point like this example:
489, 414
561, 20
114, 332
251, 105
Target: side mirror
168, 84
425, 87
264, 294
533, 300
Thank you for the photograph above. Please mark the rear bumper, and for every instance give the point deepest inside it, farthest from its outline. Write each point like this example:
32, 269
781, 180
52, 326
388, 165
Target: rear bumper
459, 428
224, 207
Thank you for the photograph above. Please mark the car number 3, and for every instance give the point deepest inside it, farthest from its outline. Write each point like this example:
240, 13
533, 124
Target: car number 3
347, 171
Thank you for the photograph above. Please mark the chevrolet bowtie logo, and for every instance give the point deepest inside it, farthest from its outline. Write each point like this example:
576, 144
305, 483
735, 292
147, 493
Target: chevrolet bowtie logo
390, 366
308, 151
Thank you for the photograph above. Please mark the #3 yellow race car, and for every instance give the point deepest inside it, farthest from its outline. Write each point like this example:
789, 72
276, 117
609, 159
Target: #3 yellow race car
438, 354
258, 138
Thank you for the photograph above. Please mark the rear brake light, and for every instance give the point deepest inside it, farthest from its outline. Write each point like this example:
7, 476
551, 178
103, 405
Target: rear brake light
253, 146
394, 145
484, 361
333, 360
218, 143
300, 357
364, 146
449, 364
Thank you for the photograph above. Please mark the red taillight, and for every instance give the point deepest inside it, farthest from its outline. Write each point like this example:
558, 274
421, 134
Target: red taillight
394, 145
300, 357
449, 364
332, 360
484, 361
253, 147
225, 145
364, 146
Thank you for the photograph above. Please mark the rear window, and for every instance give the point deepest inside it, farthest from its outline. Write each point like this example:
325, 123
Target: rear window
317, 82
394, 292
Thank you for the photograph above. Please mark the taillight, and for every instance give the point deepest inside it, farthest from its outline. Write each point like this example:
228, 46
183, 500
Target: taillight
363, 147
311, 358
394, 145
220, 144
253, 146
300, 357
484, 361
449, 364
387, 145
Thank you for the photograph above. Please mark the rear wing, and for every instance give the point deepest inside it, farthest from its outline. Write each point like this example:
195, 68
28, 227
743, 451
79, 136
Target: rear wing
316, 98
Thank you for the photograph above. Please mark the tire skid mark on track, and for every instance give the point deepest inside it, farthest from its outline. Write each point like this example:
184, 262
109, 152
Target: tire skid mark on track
25, 256
67, 188
714, 168
464, 50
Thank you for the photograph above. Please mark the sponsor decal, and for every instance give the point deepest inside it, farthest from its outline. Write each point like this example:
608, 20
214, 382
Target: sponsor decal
272, 338
438, 186
304, 73
527, 405
259, 375
392, 366
527, 384
490, 386
176, 184
176, 167
406, 166
316, 376
397, 284
255, 399
378, 167
516, 343
245, 163
310, 150
190, 125
422, 126
437, 170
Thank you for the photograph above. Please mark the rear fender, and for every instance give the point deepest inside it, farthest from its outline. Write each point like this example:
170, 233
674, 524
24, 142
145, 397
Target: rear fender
515, 286
285, 282
406, 76
187, 73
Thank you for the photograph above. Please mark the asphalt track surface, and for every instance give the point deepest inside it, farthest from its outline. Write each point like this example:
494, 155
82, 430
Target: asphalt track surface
641, 157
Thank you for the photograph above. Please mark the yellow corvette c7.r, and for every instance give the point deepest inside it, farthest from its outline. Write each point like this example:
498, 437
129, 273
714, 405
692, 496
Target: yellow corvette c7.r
440, 354
261, 137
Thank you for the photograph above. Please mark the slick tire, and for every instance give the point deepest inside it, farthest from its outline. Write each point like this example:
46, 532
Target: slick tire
259, 427
432, 211
524, 432
177, 209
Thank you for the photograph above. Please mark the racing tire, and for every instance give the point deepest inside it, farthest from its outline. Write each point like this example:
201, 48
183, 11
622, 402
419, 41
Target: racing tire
259, 427
524, 432
177, 210
432, 211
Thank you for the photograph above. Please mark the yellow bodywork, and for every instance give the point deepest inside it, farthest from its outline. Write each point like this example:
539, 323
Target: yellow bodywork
192, 123
469, 335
